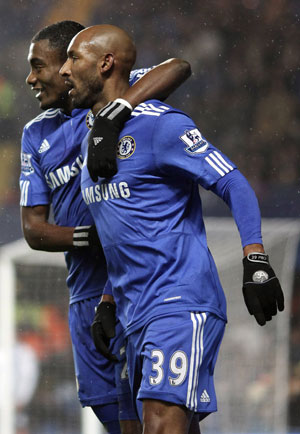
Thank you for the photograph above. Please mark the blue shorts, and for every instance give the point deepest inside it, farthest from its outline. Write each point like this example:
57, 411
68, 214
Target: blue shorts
99, 381
173, 359
94, 373
127, 409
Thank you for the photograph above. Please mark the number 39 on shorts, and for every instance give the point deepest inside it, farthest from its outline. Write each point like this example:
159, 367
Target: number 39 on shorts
176, 368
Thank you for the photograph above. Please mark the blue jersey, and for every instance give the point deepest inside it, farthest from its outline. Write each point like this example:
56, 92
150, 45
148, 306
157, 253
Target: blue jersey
51, 164
149, 217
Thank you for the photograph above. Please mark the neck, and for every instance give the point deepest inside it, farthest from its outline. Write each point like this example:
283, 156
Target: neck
67, 107
111, 90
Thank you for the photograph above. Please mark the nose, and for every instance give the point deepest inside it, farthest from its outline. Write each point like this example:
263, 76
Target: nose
65, 69
31, 79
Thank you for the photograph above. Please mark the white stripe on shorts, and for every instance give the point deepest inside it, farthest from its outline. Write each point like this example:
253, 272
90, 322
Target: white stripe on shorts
197, 348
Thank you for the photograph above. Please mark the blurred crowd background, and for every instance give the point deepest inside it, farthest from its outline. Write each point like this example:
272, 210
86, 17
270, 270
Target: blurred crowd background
244, 92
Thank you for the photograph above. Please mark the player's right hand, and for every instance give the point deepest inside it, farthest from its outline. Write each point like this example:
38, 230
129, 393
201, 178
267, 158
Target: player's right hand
261, 288
103, 329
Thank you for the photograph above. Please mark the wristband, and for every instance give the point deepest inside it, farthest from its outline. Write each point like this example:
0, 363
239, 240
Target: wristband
81, 236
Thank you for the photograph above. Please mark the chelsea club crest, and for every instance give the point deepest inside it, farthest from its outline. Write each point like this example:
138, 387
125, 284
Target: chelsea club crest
126, 147
89, 120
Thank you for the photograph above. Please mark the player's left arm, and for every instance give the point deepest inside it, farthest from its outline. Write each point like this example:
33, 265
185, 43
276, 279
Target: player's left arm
158, 83
187, 153
261, 288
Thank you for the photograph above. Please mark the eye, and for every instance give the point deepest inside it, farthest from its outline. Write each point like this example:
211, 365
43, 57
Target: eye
37, 68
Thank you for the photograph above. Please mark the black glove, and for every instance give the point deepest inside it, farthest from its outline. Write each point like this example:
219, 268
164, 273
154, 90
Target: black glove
86, 236
103, 328
261, 288
103, 139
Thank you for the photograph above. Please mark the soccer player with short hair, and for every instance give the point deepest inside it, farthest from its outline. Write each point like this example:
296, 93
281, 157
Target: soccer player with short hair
51, 164
149, 219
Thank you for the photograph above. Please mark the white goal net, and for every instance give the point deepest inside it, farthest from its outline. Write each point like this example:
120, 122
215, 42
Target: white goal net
38, 391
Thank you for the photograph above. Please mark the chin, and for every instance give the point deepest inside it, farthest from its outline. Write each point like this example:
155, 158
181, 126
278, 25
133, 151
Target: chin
45, 106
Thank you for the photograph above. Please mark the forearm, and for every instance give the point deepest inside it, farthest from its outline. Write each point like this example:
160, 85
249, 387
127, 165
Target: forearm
253, 248
158, 83
108, 298
42, 235
49, 237
240, 197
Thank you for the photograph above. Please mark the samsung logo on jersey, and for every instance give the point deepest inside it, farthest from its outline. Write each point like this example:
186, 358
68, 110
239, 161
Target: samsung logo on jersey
112, 190
63, 175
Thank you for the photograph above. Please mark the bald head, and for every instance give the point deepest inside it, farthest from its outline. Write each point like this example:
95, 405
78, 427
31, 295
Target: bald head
99, 62
104, 39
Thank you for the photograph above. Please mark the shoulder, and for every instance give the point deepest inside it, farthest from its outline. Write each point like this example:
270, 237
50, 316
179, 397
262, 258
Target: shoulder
46, 116
160, 115
153, 109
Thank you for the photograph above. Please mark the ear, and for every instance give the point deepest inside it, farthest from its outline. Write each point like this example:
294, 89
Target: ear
106, 62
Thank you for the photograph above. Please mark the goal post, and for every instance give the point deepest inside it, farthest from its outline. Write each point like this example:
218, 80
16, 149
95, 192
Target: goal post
34, 329
252, 371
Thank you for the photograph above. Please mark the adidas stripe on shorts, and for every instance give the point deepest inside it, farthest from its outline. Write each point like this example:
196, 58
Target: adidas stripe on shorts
173, 359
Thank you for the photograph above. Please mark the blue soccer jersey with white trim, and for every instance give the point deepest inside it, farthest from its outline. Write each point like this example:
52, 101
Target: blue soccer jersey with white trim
51, 163
149, 217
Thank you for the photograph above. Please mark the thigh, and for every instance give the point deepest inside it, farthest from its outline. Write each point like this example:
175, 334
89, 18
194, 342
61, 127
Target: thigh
177, 356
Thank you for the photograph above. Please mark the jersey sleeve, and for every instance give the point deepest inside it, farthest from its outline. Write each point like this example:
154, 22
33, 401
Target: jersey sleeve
107, 290
179, 147
237, 193
136, 74
33, 186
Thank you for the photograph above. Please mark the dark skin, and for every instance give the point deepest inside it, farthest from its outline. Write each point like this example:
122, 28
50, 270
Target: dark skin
97, 54
52, 92
44, 78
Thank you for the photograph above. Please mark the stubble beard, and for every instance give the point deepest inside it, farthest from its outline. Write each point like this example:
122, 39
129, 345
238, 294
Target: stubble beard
87, 99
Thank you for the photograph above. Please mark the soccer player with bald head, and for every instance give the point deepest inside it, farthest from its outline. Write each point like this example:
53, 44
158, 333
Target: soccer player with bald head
149, 219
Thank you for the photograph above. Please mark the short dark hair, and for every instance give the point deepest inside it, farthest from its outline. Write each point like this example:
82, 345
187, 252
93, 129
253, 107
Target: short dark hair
59, 35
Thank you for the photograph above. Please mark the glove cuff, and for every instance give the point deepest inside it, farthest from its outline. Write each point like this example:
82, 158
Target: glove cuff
116, 111
105, 306
81, 236
124, 102
257, 257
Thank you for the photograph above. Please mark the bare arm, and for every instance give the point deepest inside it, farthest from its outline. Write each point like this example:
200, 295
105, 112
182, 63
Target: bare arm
160, 82
42, 235
251, 248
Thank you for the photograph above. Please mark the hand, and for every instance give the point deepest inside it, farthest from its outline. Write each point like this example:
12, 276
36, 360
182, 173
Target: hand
261, 288
103, 328
103, 139
86, 236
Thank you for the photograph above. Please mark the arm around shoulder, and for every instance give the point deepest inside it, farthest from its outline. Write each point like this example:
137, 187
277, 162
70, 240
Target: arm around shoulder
159, 82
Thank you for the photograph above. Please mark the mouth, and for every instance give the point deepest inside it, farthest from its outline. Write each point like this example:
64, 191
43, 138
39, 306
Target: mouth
39, 92
70, 86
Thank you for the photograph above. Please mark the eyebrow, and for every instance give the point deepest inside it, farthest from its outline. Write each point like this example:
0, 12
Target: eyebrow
36, 60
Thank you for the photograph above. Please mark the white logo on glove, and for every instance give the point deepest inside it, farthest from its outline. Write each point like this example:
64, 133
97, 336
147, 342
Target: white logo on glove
260, 276
97, 140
